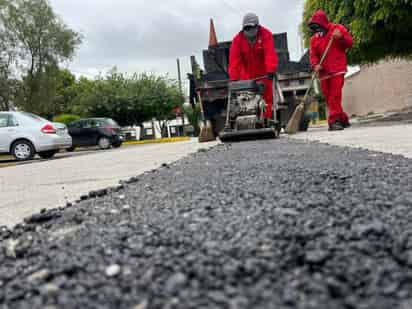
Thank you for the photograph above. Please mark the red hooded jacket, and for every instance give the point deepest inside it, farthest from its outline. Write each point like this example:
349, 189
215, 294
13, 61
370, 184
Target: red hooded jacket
251, 61
335, 61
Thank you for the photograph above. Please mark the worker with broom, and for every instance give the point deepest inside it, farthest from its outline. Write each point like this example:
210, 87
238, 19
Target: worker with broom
332, 71
253, 56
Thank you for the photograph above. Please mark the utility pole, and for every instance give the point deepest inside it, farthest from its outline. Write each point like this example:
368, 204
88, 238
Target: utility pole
179, 74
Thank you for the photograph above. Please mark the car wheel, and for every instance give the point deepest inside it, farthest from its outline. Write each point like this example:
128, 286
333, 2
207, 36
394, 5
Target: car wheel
47, 154
71, 149
103, 143
117, 145
23, 150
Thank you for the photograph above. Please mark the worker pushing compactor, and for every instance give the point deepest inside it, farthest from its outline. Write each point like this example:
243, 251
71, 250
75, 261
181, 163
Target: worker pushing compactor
253, 55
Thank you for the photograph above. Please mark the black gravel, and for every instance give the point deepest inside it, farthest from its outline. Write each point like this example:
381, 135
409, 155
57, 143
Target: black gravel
269, 224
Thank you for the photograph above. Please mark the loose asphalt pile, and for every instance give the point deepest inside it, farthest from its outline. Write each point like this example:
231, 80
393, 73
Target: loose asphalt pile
268, 224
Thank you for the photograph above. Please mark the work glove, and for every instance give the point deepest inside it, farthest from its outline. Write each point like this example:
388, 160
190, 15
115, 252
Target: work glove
270, 76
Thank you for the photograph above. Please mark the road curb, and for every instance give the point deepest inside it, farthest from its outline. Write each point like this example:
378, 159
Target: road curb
158, 141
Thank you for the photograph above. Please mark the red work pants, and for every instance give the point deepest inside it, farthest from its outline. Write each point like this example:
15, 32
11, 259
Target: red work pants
332, 91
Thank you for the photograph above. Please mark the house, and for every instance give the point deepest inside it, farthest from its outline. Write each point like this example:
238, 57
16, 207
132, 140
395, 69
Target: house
153, 129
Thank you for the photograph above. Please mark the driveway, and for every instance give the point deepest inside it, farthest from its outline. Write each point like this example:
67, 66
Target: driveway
28, 188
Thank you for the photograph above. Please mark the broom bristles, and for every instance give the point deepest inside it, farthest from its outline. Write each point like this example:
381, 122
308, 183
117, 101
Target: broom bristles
206, 133
294, 121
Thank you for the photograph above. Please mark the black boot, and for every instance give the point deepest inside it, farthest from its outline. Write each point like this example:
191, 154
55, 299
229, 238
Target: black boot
336, 126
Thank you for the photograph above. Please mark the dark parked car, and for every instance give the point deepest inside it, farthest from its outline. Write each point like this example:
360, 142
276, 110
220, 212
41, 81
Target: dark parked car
103, 132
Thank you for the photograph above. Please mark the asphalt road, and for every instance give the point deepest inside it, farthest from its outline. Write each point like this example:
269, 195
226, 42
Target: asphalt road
7, 161
271, 224
29, 187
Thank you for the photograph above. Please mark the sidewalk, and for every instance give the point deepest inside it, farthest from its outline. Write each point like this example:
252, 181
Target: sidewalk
26, 189
395, 138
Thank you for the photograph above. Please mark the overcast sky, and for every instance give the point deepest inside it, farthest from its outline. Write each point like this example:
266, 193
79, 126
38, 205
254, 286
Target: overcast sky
148, 35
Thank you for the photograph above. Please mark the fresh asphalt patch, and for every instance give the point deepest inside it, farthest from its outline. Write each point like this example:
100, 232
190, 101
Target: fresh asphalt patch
267, 224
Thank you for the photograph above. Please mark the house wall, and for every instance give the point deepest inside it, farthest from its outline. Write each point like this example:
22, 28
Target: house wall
386, 86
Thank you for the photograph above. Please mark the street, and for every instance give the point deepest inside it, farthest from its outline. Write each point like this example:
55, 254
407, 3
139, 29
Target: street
205, 154
30, 187
263, 224
7, 160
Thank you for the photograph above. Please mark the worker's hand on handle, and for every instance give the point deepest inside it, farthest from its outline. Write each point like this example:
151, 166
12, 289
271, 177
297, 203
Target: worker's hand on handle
337, 34
317, 68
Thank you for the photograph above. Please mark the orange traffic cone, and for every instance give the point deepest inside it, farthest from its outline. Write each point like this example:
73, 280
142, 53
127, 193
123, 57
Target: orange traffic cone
212, 36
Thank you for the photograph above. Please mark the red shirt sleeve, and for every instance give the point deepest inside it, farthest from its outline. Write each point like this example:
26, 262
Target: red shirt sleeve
346, 41
235, 59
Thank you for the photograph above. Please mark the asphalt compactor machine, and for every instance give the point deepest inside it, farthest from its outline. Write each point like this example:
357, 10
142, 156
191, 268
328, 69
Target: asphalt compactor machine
245, 111
235, 109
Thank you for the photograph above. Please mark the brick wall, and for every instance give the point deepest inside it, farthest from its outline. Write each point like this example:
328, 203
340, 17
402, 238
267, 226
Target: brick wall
386, 86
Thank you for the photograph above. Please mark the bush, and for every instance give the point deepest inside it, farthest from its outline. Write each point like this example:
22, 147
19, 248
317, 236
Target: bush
65, 118
193, 114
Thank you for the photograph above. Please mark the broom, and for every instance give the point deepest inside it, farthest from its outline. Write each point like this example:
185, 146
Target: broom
295, 120
206, 131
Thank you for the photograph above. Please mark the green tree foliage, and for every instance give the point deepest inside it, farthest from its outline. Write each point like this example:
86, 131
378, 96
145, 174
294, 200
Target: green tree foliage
42, 41
66, 118
381, 28
34, 42
128, 100
65, 85
193, 114
9, 85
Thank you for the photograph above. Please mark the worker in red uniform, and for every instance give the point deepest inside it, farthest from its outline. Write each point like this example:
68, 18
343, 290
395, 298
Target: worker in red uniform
332, 71
253, 55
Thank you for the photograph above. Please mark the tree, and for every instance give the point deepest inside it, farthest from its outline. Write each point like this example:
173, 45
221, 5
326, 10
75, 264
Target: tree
380, 28
43, 41
65, 84
130, 100
8, 55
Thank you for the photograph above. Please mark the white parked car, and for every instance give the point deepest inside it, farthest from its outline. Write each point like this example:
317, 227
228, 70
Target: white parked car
24, 134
